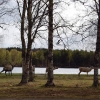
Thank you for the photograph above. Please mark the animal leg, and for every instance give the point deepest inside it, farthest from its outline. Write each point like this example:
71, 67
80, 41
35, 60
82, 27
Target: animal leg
87, 73
79, 73
5, 73
11, 73
45, 74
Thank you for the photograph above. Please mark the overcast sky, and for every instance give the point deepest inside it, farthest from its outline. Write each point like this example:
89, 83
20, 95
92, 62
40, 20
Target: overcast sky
11, 34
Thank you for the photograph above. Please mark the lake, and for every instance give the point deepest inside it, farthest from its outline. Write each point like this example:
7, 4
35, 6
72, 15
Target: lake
57, 71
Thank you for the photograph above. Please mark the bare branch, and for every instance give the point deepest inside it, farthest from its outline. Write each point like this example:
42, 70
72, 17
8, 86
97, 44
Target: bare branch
18, 8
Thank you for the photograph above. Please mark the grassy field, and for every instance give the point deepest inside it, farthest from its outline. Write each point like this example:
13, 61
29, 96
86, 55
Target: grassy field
67, 86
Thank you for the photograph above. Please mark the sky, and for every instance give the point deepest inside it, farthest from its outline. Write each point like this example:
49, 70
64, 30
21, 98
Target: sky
11, 34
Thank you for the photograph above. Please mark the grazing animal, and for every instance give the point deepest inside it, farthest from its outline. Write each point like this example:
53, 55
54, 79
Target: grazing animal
8, 68
84, 69
53, 69
33, 68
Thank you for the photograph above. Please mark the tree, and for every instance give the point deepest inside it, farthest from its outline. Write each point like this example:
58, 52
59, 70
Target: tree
30, 25
2, 56
50, 45
24, 71
3, 12
15, 57
97, 51
93, 23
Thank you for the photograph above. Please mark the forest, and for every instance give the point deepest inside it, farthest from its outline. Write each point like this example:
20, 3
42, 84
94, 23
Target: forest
61, 58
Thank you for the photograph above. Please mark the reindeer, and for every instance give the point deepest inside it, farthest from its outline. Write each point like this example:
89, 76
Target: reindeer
84, 69
33, 68
8, 68
46, 71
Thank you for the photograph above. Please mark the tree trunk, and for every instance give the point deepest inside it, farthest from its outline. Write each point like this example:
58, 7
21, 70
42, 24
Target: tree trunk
97, 52
96, 82
50, 46
29, 46
26, 53
24, 79
31, 75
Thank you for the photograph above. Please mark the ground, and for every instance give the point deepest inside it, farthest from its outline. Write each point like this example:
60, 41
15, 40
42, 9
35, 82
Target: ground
70, 87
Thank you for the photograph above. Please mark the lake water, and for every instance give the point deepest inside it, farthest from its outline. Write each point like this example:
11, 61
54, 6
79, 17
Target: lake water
57, 71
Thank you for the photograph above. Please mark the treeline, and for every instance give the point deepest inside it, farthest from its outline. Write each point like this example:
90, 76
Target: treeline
61, 58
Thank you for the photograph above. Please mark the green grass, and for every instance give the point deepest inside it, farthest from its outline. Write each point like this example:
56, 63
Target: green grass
67, 86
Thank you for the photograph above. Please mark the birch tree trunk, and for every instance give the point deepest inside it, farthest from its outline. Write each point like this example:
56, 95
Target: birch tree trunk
29, 17
97, 51
50, 46
31, 75
29, 46
24, 67
26, 54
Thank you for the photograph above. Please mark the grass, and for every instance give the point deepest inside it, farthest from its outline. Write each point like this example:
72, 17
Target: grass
67, 86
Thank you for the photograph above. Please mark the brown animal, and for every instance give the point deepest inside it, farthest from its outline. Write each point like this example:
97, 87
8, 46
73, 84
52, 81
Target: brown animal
8, 68
33, 68
53, 69
84, 69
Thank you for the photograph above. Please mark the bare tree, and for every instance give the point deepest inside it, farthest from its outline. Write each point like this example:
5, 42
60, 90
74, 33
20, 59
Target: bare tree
97, 51
33, 13
24, 73
50, 45
3, 12
78, 29
91, 27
